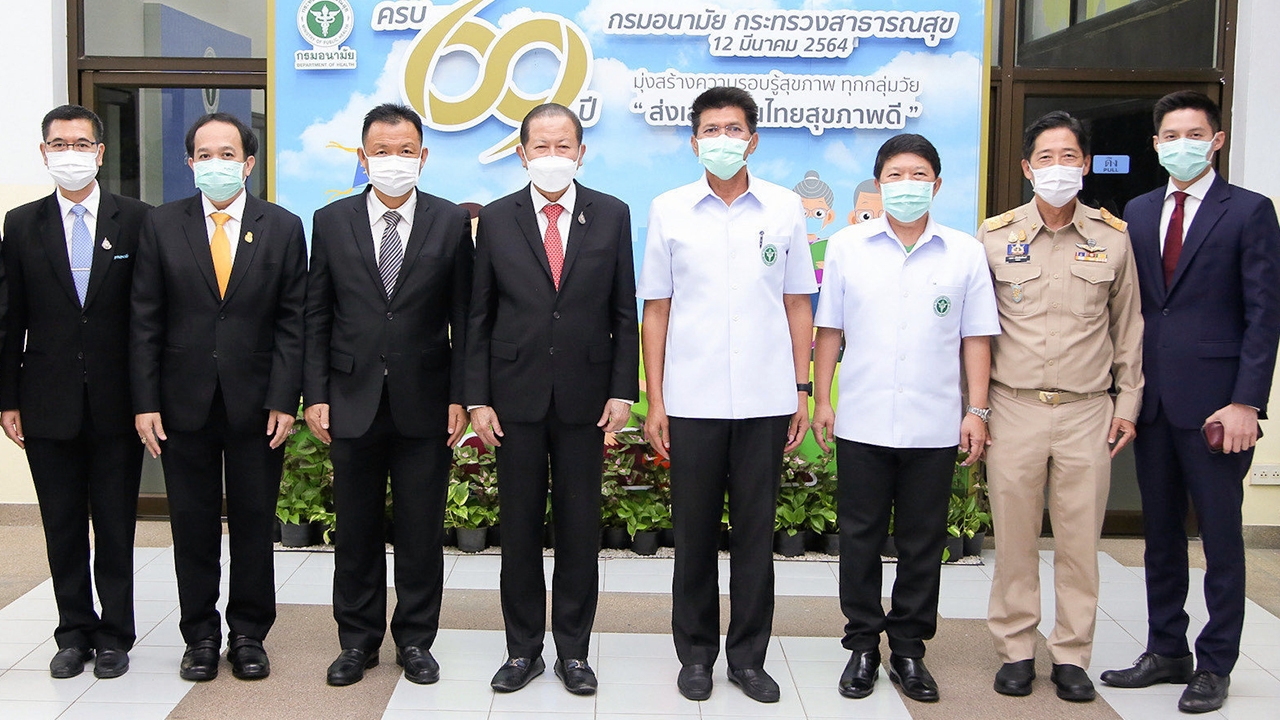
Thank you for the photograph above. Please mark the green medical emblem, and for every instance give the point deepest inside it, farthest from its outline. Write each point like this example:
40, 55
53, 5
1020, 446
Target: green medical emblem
325, 17
942, 306
769, 254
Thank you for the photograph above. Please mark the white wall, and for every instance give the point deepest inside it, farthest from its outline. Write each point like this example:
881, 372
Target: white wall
34, 57
1255, 121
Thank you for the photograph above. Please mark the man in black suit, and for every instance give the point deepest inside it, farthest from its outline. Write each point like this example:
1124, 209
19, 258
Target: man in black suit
387, 302
218, 297
64, 387
1208, 258
552, 350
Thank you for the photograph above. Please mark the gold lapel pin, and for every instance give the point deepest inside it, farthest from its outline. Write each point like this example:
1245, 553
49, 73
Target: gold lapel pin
248, 237
582, 218
106, 244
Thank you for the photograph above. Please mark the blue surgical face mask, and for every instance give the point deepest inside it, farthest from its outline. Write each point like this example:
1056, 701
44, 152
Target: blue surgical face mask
722, 155
1184, 158
907, 200
218, 179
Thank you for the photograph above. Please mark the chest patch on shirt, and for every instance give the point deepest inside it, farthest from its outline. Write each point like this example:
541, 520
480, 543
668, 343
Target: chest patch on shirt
769, 254
942, 306
1018, 250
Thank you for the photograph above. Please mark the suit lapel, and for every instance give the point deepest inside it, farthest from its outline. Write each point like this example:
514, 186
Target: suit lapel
362, 231
423, 214
1145, 236
579, 226
53, 236
251, 231
528, 223
198, 239
1207, 215
104, 250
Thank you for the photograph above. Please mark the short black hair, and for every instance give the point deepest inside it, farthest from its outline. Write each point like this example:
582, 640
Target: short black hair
1184, 100
72, 112
908, 143
391, 114
723, 97
1052, 121
248, 141
549, 109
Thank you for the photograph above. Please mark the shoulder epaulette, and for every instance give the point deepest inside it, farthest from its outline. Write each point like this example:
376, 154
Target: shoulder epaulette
995, 223
1112, 220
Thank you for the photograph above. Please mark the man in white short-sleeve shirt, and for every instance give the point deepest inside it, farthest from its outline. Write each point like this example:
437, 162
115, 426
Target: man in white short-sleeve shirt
727, 329
909, 299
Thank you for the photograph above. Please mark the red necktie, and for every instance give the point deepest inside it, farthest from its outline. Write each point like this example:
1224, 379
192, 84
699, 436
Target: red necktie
1173, 237
555, 251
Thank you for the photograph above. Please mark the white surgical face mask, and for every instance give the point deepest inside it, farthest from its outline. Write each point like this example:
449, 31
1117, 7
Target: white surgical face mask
1057, 184
552, 173
394, 175
73, 170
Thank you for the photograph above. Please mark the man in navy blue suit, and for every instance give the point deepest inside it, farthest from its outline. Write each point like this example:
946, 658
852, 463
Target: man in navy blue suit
1208, 258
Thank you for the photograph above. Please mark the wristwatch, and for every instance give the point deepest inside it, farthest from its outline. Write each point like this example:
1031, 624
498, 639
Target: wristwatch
805, 387
984, 413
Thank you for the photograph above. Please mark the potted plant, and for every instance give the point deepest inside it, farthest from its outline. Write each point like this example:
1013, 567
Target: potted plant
470, 504
304, 506
823, 518
969, 512
790, 520
889, 548
643, 511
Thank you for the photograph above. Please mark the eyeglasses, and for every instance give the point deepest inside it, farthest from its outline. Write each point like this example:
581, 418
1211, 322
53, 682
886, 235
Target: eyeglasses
733, 131
79, 146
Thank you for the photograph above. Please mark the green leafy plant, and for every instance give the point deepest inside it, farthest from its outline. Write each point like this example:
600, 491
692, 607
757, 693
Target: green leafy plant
643, 510
792, 514
472, 498
306, 482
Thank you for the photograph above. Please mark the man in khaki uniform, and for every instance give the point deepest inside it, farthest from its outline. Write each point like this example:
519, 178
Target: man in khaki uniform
1066, 383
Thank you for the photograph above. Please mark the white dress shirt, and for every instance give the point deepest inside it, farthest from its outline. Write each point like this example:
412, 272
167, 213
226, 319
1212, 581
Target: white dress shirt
564, 222
903, 315
230, 227
378, 225
725, 269
1195, 196
90, 216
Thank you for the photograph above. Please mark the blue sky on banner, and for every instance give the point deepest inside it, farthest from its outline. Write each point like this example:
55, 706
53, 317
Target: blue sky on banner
318, 113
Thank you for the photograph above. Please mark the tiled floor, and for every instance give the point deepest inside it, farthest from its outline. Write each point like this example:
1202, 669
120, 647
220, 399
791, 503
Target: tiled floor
804, 667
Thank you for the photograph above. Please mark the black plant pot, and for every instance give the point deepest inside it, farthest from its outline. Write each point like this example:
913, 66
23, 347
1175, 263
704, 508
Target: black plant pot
973, 545
955, 548
666, 538
548, 536
614, 538
889, 548
831, 543
450, 537
495, 536
275, 532
471, 540
298, 534
389, 532
645, 542
726, 539
788, 545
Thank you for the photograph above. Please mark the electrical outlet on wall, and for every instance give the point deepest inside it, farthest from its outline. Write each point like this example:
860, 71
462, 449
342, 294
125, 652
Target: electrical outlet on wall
1264, 475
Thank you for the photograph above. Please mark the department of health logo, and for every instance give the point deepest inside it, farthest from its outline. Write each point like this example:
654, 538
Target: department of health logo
769, 255
325, 24
942, 306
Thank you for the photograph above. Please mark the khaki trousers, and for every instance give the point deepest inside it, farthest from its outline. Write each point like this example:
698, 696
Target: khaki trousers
1063, 447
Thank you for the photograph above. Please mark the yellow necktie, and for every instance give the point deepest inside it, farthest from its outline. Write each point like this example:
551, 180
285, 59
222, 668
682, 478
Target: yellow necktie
220, 247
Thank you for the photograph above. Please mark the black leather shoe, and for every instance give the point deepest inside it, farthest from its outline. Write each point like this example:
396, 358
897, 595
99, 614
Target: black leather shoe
577, 676
756, 684
1205, 693
859, 677
515, 673
1150, 669
1073, 683
69, 662
695, 682
914, 677
419, 666
349, 667
200, 661
1015, 678
110, 664
248, 658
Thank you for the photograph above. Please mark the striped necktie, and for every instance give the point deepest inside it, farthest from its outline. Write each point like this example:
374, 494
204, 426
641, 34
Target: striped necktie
392, 252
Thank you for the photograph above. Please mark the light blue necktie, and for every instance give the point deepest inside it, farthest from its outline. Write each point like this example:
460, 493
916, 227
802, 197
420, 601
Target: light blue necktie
81, 252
